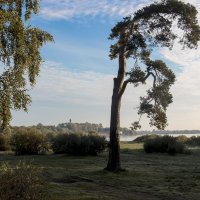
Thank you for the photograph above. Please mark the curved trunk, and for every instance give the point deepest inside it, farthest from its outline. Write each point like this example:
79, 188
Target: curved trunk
114, 147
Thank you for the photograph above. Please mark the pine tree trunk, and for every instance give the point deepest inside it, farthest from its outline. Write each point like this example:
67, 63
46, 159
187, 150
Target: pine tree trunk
114, 163
114, 147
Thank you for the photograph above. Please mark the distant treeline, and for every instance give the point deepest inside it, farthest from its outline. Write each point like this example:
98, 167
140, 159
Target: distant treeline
170, 132
78, 128
87, 127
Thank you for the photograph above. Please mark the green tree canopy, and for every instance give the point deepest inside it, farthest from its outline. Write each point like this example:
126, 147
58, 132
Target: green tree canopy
20, 57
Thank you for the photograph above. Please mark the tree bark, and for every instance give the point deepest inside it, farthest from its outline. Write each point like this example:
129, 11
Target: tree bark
4, 122
114, 163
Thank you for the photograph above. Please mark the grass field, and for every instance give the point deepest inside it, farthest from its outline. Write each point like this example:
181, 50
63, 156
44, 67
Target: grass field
148, 176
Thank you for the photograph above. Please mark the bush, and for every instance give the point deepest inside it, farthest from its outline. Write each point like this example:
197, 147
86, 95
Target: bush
59, 143
4, 142
177, 147
193, 141
75, 144
92, 144
165, 144
29, 141
21, 183
182, 138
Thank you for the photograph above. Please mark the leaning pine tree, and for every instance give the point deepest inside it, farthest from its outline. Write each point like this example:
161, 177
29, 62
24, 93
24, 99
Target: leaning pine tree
20, 55
136, 37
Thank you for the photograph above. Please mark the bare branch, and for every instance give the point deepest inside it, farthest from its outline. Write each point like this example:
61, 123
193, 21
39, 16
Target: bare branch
142, 80
124, 87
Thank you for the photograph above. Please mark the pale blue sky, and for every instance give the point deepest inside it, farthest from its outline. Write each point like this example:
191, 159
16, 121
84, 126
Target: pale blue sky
76, 78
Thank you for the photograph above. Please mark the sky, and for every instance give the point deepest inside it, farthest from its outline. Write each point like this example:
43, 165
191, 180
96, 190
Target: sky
76, 77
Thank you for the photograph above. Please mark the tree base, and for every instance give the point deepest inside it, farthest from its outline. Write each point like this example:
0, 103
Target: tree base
116, 169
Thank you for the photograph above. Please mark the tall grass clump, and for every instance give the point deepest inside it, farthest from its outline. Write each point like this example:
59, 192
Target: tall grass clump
29, 141
78, 145
164, 144
22, 182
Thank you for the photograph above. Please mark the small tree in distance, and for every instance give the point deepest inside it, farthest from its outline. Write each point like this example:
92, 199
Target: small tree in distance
136, 37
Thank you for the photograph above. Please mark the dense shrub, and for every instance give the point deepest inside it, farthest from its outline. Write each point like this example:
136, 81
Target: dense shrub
193, 141
165, 144
59, 143
4, 142
21, 183
183, 139
29, 141
75, 144
189, 141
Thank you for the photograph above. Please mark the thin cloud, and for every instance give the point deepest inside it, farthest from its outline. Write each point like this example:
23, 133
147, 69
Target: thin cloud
188, 60
66, 86
77, 9
60, 84
72, 9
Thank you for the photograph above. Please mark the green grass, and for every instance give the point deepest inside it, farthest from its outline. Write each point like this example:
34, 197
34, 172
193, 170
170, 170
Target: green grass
148, 176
